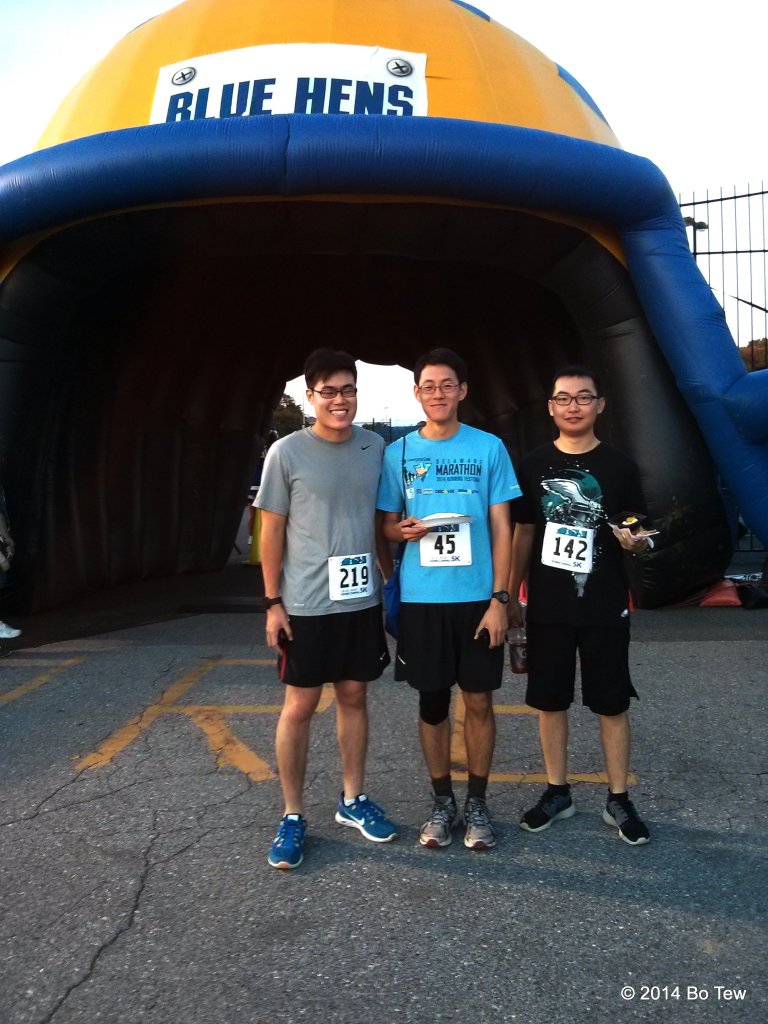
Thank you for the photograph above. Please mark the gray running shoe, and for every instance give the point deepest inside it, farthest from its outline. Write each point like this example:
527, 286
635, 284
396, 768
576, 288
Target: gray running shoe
550, 807
437, 831
480, 834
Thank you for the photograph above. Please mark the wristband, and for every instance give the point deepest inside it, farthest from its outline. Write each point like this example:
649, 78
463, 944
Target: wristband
270, 602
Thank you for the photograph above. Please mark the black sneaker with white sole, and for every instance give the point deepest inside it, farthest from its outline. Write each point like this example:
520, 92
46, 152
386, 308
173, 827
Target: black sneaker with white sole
620, 812
550, 807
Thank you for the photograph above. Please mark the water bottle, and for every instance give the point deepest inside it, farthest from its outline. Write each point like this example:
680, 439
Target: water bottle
518, 651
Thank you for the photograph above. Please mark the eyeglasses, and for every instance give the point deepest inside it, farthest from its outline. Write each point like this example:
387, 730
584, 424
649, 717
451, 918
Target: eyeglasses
348, 391
445, 389
582, 399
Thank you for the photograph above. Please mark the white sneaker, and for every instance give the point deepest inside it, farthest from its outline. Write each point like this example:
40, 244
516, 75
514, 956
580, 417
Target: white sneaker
8, 632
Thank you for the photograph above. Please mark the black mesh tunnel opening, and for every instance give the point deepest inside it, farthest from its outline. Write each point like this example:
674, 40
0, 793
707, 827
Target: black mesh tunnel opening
145, 351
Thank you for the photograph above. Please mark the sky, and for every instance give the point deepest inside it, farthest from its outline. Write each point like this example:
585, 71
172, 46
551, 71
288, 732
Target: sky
682, 82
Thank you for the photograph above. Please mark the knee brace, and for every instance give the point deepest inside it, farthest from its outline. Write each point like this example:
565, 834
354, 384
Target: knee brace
434, 707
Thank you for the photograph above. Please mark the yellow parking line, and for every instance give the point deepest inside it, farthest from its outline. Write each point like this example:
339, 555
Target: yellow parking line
514, 709
326, 698
41, 680
592, 778
119, 740
459, 751
209, 717
247, 661
229, 751
458, 745
23, 665
242, 709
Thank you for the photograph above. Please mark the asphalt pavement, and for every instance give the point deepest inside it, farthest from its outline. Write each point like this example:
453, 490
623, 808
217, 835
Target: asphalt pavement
138, 802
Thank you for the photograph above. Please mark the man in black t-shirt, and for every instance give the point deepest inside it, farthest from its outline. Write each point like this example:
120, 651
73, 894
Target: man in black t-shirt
573, 554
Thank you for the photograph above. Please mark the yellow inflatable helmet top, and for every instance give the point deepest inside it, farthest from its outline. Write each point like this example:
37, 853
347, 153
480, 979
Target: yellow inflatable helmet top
476, 69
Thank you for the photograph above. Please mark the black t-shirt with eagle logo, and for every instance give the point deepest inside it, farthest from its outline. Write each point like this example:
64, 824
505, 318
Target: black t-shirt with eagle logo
577, 574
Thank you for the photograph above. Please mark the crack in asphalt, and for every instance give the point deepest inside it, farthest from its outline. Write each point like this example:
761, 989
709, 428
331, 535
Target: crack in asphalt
119, 931
196, 808
41, 810
39, 933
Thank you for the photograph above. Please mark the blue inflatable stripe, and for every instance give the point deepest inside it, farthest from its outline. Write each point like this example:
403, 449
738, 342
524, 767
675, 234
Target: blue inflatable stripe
301, 154
474, 10
305, 154
582, 92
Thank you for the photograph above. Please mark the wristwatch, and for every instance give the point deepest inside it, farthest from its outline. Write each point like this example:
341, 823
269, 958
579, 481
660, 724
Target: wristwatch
501, 595
270, 602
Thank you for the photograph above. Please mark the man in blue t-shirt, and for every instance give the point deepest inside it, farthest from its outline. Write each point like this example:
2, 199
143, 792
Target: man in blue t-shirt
445, 491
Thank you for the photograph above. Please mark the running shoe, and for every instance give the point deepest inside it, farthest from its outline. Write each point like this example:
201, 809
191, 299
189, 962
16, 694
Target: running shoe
288, 848
368, 817
437, 831
480, 834
550, 807
8, 632
620, 812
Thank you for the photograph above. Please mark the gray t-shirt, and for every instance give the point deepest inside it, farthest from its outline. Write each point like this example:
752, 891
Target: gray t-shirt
327, 491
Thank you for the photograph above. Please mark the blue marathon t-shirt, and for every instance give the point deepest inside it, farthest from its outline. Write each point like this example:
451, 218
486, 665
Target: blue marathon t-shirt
464, 475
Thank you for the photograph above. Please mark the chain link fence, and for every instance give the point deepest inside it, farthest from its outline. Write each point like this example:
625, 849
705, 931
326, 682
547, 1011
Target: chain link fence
727, 234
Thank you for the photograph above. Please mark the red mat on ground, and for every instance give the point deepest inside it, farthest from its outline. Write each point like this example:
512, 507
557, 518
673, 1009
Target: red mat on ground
722, 594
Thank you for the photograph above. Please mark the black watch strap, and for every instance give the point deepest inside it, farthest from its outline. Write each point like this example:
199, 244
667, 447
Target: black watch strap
501, 595
270, 602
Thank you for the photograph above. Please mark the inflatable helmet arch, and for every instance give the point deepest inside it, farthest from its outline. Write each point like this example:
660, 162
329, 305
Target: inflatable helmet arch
239, 181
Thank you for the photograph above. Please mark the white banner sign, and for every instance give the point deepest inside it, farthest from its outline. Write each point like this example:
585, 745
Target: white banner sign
293, 78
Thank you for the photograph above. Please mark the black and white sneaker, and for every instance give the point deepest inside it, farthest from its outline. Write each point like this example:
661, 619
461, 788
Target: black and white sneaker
550, 807
620, 812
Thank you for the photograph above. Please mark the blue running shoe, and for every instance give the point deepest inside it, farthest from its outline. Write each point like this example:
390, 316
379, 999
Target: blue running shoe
368, 817
287, 850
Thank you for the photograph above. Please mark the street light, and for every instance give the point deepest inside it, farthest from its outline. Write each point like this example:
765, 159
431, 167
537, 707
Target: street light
697, 225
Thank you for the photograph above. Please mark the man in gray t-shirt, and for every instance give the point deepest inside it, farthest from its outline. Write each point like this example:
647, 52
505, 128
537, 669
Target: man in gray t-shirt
323, 594
323, 490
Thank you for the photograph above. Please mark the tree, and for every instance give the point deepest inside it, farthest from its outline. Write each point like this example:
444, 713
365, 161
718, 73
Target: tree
287, 417
754, 354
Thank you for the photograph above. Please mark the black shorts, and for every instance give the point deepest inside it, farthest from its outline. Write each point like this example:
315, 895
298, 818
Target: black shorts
606, 688
331, 648
437, 648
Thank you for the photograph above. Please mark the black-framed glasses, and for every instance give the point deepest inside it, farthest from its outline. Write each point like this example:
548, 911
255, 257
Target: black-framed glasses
348, 391
446, 389
583, 398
